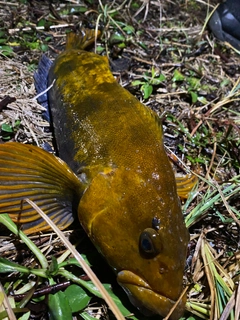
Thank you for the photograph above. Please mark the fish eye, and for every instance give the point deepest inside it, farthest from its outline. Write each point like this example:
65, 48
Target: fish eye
149, 242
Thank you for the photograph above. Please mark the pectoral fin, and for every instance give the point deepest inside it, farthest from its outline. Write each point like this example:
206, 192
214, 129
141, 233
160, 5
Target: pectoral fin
29, 172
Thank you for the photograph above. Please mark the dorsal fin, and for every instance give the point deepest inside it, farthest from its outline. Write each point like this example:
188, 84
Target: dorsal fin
41, 84
81, 40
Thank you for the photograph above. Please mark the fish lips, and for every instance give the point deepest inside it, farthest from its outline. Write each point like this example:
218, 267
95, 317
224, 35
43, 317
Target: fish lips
145, 299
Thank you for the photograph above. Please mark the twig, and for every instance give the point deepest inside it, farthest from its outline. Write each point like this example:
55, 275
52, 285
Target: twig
11, 31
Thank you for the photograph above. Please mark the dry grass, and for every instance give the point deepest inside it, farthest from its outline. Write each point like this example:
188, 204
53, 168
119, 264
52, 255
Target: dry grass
16, 81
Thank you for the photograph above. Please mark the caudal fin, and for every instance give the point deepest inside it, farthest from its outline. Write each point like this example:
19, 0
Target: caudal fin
29, 172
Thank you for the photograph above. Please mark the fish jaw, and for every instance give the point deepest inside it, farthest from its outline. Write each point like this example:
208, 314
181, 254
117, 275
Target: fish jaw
145, 299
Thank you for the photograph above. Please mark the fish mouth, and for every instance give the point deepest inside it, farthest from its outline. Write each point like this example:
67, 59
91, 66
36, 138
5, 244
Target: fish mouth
146, 299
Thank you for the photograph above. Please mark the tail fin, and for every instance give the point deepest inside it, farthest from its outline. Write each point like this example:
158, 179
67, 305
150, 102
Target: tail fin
27, 171
83, 40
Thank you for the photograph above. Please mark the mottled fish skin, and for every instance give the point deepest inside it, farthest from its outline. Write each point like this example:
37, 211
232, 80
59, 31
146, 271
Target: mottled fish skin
113, 172
115, 144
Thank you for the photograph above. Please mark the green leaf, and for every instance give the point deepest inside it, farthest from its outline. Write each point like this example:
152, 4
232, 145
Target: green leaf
8, 266
6, 50
195, 160
203, 100
73, 261
100, 49
26, 316
147, 76
193, 82
48, 39
137, 82
2, 33
53, 268
147, 90
41, 22
86, 284
6, 138
116, 38
32, 45
121, 45
157, 81
59, 308
44, 47
7, 128
17, 123
135, 5
129, 29
86, 316
177, 76
194, 96
78, 299
143, 45
224, 83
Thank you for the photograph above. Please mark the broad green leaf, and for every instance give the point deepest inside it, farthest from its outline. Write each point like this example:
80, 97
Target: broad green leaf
78, 298
7, 128
194, 96
59, 308
147, 90
44, 47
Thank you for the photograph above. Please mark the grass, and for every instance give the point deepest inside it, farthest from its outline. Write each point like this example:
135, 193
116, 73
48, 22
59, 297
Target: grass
174, 65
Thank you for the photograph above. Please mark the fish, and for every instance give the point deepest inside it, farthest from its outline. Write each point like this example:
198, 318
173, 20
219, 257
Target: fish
111, 172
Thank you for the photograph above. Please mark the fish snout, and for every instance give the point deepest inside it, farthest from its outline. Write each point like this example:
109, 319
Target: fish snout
143, 297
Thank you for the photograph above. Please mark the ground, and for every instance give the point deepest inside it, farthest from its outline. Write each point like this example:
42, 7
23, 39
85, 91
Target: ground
164, 54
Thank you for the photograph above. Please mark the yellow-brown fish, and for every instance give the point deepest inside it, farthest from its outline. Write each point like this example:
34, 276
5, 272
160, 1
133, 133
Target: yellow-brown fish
113, 172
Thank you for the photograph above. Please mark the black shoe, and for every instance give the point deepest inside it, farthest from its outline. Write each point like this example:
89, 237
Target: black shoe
225, 22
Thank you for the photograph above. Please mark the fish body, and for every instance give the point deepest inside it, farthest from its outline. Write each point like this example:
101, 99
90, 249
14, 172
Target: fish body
116, 174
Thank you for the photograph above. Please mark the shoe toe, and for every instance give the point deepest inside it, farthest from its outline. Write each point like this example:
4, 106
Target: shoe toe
225, 26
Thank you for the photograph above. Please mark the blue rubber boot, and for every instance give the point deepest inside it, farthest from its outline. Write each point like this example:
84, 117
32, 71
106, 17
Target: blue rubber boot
225, 22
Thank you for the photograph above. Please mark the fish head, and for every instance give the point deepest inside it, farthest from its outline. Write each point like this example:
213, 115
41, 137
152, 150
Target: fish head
139, 228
